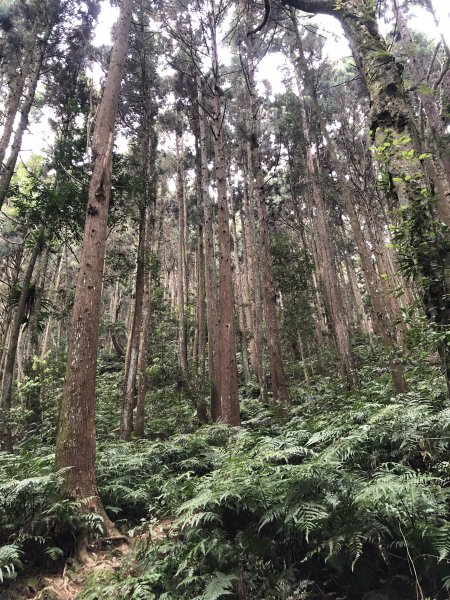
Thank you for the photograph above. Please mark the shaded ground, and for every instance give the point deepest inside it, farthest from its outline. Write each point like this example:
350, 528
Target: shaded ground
66, 585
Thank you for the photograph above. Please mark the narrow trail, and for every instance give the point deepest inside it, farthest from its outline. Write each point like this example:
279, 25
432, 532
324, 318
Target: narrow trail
68, 584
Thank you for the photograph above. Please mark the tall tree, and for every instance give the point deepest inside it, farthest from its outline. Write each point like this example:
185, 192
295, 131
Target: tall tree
212, 314
229, 399
278, 379
422, 242
381, 318
75, 447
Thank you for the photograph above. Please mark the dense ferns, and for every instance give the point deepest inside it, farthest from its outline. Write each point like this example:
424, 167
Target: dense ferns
345, 497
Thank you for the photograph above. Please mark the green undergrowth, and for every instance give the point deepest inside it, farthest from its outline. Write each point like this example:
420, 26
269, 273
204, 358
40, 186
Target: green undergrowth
345, 496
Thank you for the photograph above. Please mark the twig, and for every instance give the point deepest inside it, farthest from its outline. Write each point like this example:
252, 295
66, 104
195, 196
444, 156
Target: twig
419, 592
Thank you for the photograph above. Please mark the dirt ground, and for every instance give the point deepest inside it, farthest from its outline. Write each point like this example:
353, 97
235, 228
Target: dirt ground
66, 585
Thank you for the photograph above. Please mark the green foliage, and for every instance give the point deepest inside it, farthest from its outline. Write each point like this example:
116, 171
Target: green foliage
342, 492
339, 495
10, 556
33, 291
37, 526
220, 586
292, 272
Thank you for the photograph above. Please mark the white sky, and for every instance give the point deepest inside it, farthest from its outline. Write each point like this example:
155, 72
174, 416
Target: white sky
272, 67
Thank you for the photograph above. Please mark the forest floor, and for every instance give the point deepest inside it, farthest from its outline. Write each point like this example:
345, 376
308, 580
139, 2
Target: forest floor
344, 497
68, 583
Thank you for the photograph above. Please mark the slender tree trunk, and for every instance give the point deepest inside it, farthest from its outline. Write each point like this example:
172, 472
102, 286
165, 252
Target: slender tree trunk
75, 446
132, 356
242, 331
9, 166
144, 335
142, 380
8, 374
254, 280
114, 307
229, 399
15, 94
182, 288
202, 413
332, 294
212, 314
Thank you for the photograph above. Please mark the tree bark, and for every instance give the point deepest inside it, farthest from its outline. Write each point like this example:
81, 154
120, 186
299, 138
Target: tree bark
229, 399
329, 277
15, 93
253, 273
212, 314
144, 335
381, 319
132, 355
8, 168
182, 288
75, 446
8, 374
242, 330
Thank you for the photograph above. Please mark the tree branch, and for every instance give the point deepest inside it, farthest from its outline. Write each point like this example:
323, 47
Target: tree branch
325, 7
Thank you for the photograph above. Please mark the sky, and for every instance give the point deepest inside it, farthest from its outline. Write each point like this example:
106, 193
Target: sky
272, 67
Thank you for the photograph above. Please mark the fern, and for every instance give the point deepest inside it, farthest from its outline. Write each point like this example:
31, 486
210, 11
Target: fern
440, 540
220, 586
10, 561
54, 553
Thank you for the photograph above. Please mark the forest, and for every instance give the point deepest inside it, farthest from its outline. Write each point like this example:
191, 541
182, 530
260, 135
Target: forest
224, 299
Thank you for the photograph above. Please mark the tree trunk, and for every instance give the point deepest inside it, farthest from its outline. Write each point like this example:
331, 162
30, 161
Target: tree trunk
229, 399
242, 330
212, 314
381, 321
144, 334
252, 263
8, 374
132, 356
202, 413
75, 446
15, 93
8, 168
329, 276
182, 288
